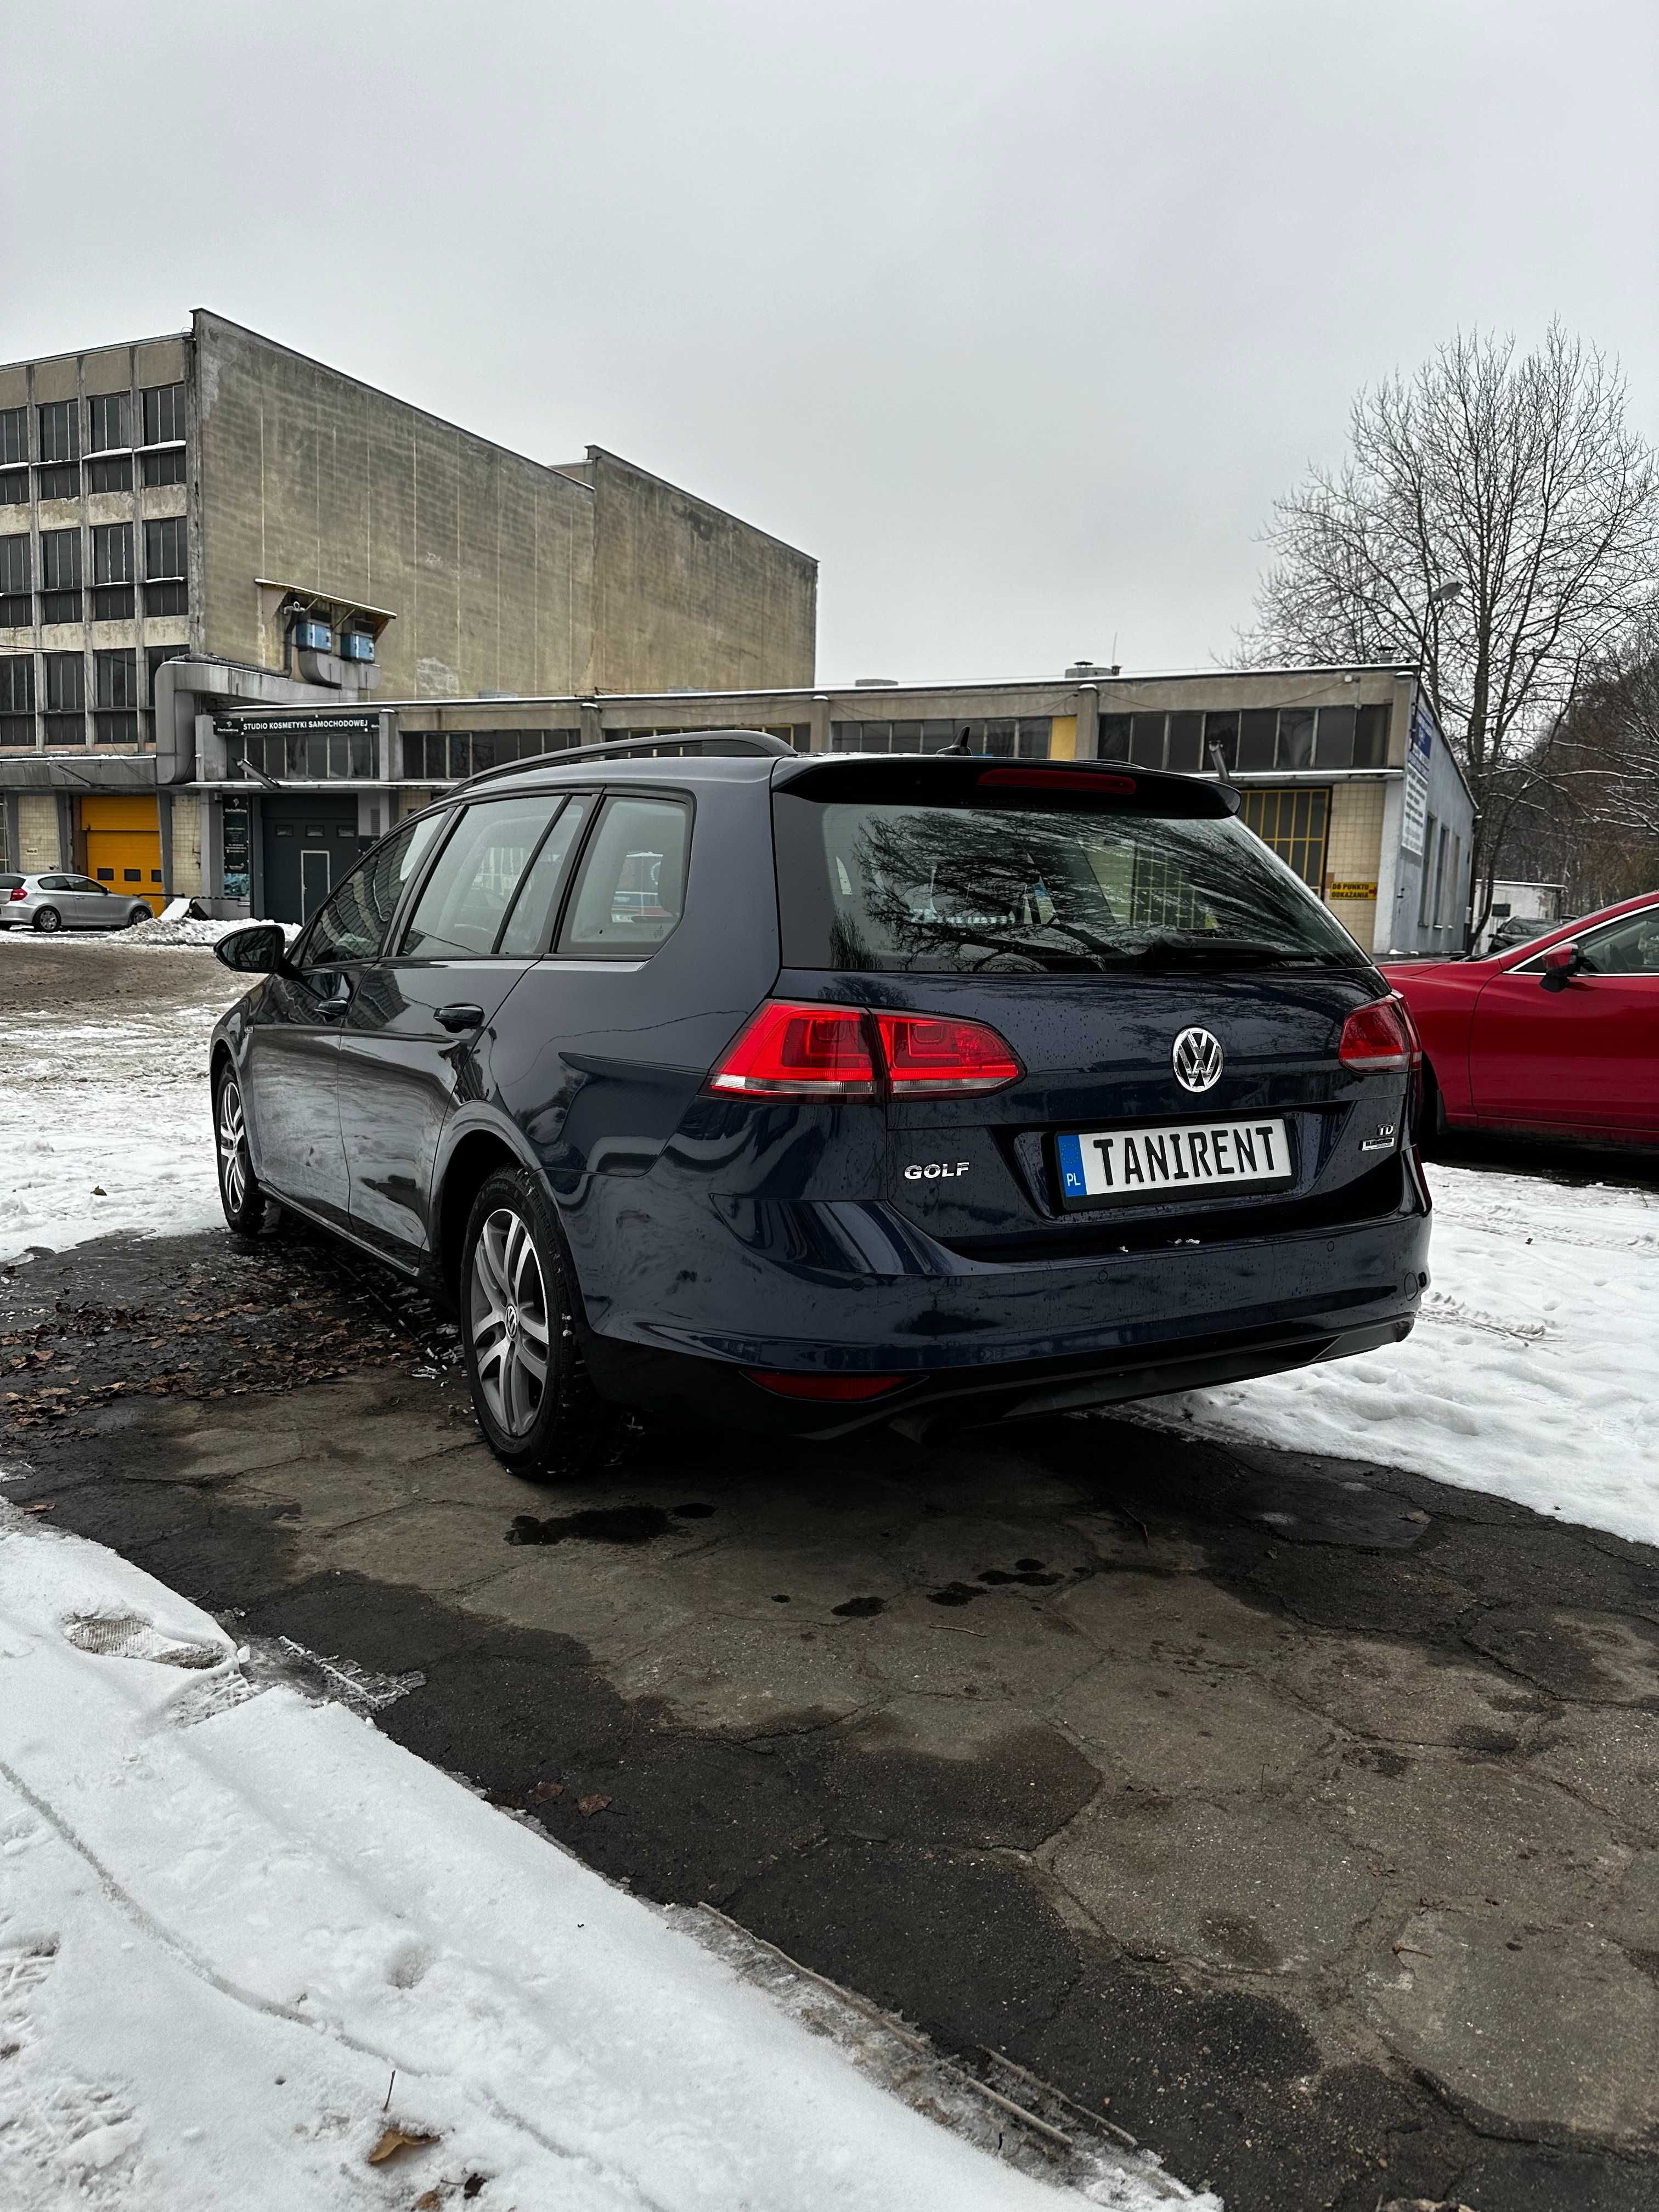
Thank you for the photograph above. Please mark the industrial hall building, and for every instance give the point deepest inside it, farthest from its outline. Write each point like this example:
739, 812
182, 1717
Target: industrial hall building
1342, 771
206, 523
252, 611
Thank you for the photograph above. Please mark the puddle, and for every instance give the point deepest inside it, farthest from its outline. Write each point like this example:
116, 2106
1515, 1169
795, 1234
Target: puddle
605, 1524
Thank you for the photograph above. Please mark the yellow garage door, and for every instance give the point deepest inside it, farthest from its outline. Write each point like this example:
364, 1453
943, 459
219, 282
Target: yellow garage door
124, 847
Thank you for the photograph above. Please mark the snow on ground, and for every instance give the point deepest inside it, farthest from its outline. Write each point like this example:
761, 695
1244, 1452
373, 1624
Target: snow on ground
105, 1121
243, 1936
1531, 1373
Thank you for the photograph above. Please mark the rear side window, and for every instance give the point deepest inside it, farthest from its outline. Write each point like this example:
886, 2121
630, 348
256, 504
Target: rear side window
531, 922
1025, 890
631, 892
11, 882
465, 901
353, 923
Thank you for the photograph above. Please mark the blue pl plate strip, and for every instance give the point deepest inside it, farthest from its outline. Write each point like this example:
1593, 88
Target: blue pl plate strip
1071, 1167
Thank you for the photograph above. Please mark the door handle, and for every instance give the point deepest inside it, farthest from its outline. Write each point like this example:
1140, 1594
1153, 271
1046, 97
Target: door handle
458, 1017
335, 1009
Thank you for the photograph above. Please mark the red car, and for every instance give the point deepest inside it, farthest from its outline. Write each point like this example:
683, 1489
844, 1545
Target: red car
1557, 1037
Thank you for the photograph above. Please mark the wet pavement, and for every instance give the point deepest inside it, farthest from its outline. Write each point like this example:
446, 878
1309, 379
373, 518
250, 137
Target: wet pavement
1298, 1816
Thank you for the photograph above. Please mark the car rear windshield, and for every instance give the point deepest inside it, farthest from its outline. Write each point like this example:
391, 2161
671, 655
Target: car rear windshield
1027, 889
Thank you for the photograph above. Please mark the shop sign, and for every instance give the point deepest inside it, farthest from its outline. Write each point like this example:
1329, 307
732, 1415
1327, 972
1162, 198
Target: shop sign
1420, 751
1352, 891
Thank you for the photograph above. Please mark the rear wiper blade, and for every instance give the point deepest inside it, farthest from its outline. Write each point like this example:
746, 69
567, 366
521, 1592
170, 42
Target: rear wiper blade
1231, 952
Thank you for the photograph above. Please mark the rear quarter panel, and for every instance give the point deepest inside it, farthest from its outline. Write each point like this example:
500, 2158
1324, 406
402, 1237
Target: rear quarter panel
1442, 998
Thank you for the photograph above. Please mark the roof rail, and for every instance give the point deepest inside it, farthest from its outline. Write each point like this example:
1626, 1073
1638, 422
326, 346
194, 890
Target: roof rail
738, 741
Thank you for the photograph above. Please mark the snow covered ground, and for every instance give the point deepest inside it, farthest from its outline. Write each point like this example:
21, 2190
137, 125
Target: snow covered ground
105, 1118
249, 1946
1532, 1373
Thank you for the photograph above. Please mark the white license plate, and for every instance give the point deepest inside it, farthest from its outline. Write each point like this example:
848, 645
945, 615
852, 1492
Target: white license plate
1141, 1163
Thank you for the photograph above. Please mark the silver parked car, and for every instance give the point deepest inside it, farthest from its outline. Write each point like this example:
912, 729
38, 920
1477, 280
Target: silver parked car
66, 901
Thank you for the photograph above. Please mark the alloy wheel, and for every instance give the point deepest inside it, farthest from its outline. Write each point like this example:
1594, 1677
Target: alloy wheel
232, 1145
507, 1316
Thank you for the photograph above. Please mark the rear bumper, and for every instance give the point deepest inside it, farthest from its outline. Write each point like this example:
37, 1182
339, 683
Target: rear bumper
673, 1386
1008, 1340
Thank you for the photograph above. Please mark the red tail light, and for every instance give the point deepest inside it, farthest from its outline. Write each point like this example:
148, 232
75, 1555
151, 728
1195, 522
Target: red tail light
800, 1052
1379, 1038
931, 1054
842, 1052
843, 1390
22, 892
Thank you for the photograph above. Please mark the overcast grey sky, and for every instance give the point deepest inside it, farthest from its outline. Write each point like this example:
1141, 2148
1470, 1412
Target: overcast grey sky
1017, 316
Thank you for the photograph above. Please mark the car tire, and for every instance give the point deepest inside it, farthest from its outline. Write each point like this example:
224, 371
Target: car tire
138, 913
535, 1402
47, 920
248, 1210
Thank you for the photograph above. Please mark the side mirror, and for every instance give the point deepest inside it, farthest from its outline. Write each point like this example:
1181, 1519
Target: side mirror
258, 950
1561, 963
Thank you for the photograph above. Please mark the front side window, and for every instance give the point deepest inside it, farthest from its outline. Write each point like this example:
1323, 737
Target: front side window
1017, 889
1630, 947
465, 901
353, 922
632, 891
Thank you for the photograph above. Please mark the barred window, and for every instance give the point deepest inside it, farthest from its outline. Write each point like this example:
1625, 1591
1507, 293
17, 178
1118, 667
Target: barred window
164, 414
109, 422
14, 433
112, 473
60, 430
1293, 823
167, 467
17, 683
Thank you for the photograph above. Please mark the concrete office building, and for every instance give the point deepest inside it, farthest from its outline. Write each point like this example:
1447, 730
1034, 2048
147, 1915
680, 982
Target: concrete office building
198, 523
1343, 770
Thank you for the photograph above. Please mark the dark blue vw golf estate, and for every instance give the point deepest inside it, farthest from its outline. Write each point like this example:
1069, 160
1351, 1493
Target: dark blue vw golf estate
804, 1091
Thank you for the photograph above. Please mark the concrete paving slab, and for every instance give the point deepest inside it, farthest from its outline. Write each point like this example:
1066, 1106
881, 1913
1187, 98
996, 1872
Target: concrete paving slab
1553, 2028
1176, 1617
450, 1548
1610, 1756
1391, 1691
1239, 1886
1001, 1646
1453, 1827
738, 1678
614, 1604
1175, 1725
952, 1771
1606, 1658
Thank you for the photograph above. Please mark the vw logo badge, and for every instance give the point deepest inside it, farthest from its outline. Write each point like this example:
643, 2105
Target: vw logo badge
1196, 1059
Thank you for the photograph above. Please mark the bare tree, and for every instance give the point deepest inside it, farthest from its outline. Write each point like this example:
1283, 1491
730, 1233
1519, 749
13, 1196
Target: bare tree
1497, 522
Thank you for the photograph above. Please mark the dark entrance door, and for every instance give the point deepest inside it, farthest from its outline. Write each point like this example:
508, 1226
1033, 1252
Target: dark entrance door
310, 841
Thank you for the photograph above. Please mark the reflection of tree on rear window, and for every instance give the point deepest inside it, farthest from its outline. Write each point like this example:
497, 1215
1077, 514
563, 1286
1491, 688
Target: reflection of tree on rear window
1011, 890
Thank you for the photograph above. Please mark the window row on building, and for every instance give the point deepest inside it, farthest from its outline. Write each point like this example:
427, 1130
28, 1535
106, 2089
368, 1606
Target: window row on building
1026, 738
59, 691
61, 589
1253, 738
104, 441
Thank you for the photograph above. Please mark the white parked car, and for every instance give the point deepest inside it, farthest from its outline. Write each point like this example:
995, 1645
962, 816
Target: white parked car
66, 901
